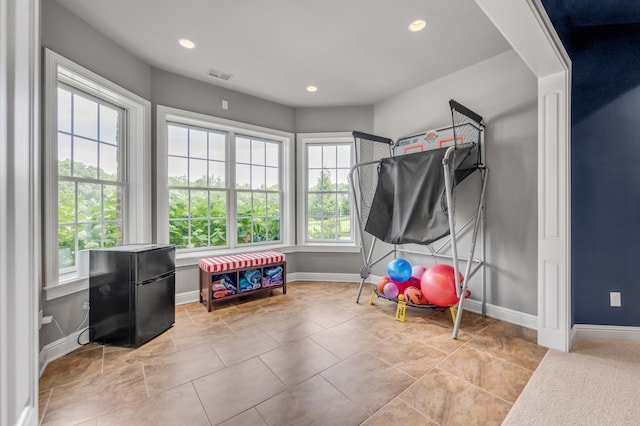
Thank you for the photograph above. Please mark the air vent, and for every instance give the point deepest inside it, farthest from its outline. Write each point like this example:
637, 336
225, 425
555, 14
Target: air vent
219, 74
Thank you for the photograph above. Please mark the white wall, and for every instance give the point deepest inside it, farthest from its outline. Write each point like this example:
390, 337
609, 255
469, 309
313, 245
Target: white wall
504, 91
19, 211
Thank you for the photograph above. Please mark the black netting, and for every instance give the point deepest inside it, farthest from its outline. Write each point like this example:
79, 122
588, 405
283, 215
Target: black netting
402, 199
409, 204
369, 150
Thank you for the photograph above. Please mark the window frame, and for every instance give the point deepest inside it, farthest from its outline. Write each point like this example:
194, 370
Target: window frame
136, 151
166, 115
209, 189
304, 140
120, 183
252, 191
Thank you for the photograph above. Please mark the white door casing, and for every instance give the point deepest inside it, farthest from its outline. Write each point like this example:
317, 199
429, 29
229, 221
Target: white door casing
525, 24
19, 211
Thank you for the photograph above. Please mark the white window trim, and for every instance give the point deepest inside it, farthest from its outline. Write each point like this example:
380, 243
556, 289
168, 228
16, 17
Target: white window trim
138, 153
304, 139
166, 115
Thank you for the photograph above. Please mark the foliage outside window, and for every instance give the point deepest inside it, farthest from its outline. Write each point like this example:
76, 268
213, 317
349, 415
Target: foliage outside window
257, 190
197, 187
97, 170
90, 174
328, 207
224, 188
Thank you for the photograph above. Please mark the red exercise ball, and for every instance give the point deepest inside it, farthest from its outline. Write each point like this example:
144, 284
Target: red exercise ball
402, 286
438, 285
381, 283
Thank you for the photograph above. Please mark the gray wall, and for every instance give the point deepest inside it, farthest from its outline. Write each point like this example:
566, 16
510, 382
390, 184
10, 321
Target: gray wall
71, 37
66, 34
176, 91
173, 90
334, 119
504, 91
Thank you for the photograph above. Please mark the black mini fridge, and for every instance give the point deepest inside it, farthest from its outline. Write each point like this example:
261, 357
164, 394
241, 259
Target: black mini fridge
131, 293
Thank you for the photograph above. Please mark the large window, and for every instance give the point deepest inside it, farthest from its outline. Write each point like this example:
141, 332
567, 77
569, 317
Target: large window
91, 182
197, 184
326, 210
98, 170
257, 190
225, 183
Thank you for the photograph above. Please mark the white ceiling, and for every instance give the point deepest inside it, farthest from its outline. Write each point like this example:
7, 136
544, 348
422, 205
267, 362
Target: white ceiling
357, 52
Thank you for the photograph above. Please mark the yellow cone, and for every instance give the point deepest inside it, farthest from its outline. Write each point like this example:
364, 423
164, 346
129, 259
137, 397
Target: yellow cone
402, 308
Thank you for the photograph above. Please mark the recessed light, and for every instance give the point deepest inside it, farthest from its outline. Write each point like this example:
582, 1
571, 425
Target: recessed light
312, 89
186, 43
417, 25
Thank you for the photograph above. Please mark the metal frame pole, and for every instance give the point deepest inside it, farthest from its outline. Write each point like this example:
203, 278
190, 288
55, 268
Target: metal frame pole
485, 173
450, 215
474, 238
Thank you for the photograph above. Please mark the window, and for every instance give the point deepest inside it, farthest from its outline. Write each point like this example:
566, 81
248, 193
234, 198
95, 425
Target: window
225, 183
257, 190
326, 208
91, 182
97, 150
197, 187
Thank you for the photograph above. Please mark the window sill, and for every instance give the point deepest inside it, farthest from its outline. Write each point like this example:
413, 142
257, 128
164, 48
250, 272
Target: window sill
188, 259
75, 284
67, 286
328, 248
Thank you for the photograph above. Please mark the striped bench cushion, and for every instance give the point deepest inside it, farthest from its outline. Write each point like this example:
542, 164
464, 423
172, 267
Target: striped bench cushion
240, 261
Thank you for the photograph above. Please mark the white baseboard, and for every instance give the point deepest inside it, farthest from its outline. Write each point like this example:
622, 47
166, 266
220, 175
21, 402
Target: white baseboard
503, 314
59, 348
29, 416
606, 332
187, 297
493, 311
573, 336
321, 276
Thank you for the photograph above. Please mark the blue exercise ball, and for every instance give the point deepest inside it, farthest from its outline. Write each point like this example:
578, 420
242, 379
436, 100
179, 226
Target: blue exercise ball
399, 270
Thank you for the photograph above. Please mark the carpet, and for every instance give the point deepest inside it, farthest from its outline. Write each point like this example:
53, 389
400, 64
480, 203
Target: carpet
597, 383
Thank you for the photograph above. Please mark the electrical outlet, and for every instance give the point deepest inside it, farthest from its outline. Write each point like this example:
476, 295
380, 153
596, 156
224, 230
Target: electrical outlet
40, 316
85, 305
614, 299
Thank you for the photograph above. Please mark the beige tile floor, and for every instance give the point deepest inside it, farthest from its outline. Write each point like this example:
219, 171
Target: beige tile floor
310, 357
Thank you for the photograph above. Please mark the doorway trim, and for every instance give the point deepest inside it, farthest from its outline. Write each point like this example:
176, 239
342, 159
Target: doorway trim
19, 211
528, 29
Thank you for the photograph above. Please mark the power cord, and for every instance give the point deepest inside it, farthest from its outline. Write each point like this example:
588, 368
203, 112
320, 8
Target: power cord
77, 328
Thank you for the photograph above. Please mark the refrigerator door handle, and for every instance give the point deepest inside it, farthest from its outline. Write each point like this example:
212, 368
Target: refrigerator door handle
157, 278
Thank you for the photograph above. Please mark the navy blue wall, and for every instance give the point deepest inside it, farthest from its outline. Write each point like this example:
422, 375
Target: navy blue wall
605, 156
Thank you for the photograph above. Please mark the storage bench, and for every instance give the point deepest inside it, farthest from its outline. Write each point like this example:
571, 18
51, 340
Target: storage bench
226, 277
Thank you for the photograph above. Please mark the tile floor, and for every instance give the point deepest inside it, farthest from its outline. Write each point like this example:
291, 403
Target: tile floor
310, 357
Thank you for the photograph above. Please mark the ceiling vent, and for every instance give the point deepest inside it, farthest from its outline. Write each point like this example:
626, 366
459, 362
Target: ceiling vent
219, 74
